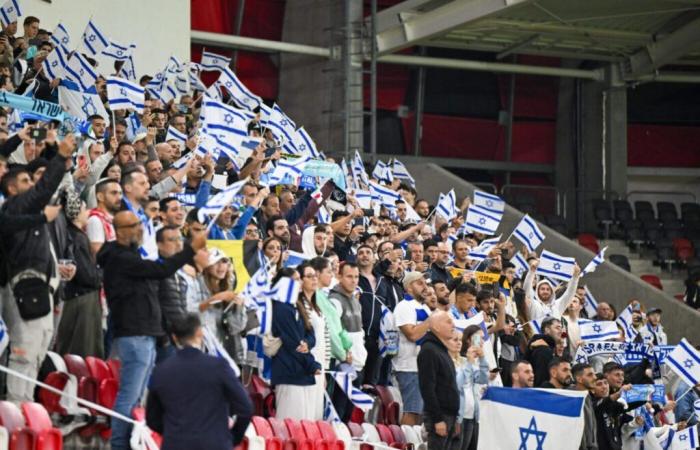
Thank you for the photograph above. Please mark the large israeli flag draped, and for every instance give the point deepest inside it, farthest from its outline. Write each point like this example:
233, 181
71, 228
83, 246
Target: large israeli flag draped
60, 36
55, 63
212, 61
79, 70
590, 303
529, 419
599, 330
356, 396
684, 360
240, 93
595, 262
123, 94
556, 266
489, 202
93, 39
9, 12
529, 233
481, 220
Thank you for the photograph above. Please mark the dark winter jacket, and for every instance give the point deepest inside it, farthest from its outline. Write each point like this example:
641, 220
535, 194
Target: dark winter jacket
540, 357
437, 380
290, 366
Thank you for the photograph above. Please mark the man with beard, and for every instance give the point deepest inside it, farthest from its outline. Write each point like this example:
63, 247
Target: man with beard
278, 227
609, 412
559, 374
438, 270
99, 226
442, 292
545, 302
585, 379
540, 349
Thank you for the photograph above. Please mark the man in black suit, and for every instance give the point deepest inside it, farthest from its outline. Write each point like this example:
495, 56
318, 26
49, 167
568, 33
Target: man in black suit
192, 396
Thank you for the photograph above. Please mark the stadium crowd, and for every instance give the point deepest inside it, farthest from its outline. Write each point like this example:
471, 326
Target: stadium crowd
108, 242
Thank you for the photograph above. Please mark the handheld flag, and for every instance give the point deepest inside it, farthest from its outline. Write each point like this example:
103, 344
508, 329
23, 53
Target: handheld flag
93, 39
214, 348
530, 418
599, 331
211, 61
55, 63
223, 121
80, 104
127, 71
304, 144
123, 94
359, 174
384, 195
285, 291
625, 321
684, 360
590, 303
118, 52
382, 172
489, 202
447, 205
481, 220
686, 439
595, 262
481, 252
4, 337
218, 202
529, 233
174, 134
60, 36
556, 266
81, 72
356, 396
9, 12
241, 94
520, 264
401, 172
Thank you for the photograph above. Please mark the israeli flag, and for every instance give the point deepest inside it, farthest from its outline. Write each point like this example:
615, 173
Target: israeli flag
174, 66
55, 63
599, 331
447, 205
384, 195
282, 127
382, 172
536, 325
213, 347
481, 252
359, 174
518, 260
590, 303
214, 92
94, 40
696, 406
174, 134
256, 287
80, 104
556, 266
480, 220
9, 12
475, 318
364, 198
118, 52
304, 145
60, 36
294, 258
211, 61
687, 439
166, 94
625, 322
489, 202
4, 337
81, 72
195, 82
684, 360
292, 168
595, 262
241, 94
285, 291
123, 94
401, 172
127, 71
222, 120
218, 202
356, 396
530, 418
329, 412
529, 233
323, 215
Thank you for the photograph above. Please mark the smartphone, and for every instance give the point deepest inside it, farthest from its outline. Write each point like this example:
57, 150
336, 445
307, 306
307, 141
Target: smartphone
476, 340
38, 134
368, 212
496, 289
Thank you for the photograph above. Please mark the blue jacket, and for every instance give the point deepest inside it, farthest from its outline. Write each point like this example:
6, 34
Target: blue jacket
190, 399
238, 229
684, 407
288, 365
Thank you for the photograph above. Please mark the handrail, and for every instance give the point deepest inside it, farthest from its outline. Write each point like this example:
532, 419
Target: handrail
671, 193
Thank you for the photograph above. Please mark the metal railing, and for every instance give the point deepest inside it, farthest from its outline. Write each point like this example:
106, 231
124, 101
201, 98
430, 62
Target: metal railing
677, 197
487, 187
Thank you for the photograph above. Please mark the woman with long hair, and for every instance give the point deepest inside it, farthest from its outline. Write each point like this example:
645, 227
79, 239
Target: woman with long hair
472, 375
272, 253
293, 365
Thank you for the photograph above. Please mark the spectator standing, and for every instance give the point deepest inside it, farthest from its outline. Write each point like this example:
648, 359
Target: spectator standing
541, 347
344, 296
559, 374
108, 193
585, 379
472, 376
654, 332
522, 375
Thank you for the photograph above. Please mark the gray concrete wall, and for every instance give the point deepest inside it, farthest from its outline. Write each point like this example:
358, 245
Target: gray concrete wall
609, 283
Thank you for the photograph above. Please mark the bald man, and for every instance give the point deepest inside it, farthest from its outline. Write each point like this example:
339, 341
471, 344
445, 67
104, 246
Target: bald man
132, 295
438, 386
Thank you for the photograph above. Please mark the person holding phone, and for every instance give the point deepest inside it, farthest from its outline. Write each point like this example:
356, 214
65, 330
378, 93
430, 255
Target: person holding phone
472, 376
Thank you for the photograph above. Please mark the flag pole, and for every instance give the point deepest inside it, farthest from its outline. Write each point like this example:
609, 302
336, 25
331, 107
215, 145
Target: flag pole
684, 394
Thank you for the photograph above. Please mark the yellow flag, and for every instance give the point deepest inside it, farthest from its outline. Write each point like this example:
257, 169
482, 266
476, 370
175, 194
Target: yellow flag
234, 250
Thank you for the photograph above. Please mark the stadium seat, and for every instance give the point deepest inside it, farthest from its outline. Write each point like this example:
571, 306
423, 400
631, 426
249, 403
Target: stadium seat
665, 253
295, 433
690, 211
623, 210
114, 366
603, 214
358, 432
313, 433
588, 241
343, 433
107, 385
652, 235
693, 266
387, 436
684, 249
38, 420
20, 437
643, 211
653, 280
389, 405
371, 433
666, 210
262, 390
557, 223
264, 430
399, 436
51, 400
620, 261
411, 437
329, 435
87, 385
635, 238
252, 441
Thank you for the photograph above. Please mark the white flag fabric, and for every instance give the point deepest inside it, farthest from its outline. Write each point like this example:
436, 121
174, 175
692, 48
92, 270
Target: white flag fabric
127, 71
80, 104
595, 262
79, 70
625, 321
174, 134
255, 293
213, 347
556, 266
4, 337
382, 172
93, 39
481, 251
240, 93
590, 303
285, 291
166, 94
518, 260
529, 233
686, 439
384, 195
288, 169
9, 12
214, 92
481, 220
123, 94
303, 144
599, 330
401, 172
55, 63
356, 396
490, 202
211, 61
684, 360
447, 205
118, 51
359, 174
223, 121
218, 202
542, 419
60, 36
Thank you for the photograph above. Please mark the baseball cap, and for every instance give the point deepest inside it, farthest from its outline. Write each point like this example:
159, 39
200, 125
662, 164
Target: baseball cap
410, 277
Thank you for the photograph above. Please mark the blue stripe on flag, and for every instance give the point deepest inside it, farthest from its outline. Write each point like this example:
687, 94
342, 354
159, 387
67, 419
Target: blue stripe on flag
536, 400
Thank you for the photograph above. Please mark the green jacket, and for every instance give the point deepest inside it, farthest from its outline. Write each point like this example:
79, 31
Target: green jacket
340, 341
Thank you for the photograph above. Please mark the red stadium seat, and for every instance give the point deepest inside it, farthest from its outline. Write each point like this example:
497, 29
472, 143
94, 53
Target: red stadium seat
107, 385
51, 400
391, 407
653, 280
38, 420
329, 435
264, 430
684, 249
399, 436
262, 395
589, 241
296, 433
114, 366
314, 435
87, 385
21, 438
387, 436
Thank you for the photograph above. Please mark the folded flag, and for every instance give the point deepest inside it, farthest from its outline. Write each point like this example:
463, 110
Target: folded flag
356, 396
118, 52
481, 220
529, 233
382, 172
218, 202
481, 251
174, 134
123, 94
401, 172
686, 439
595, 262
59, 36
489, 202
240, 93
530, 418
93, 39
9, 12
625, 322
556, 266
518, 260
55, 63
79, 70
684, 360
211, 61
599, 331
590, 304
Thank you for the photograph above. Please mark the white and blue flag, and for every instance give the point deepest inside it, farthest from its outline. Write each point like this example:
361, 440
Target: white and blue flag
359, 174
481, 251
489, 202
79, 70
529, 233
60, 36
556, 266
211, 61
166, 94
684, 360
595, 262
356, 396
118, 51
599, 330
174, 134
218, 202
530, 419
255, 293
590, 304
240, 93
123, 94
80, 104
285, 291
625, 322
9, 12
213, 347
401, 172
481, 220
382, 172
55, 63
4, 337
304, 145
329, 412
294, 258
686, 439
518, 260
223, 121
447, 205
288, 171
385, 196
127, 71
94, 40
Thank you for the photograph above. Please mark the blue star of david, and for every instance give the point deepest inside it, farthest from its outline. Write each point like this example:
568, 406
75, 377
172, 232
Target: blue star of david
482, 221
228, 118
682, 437
531, 235
302, 147
54, 64
245, 100
10, 9
489, 202
88, 106
159, 76
64, 40
214, 61
597, 328
688, 363
92, 38
228, 84
557, 266
531, 430
284, 122
120, 52
122, 91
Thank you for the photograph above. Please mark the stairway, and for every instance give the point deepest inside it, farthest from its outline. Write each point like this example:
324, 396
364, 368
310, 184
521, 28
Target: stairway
641, 263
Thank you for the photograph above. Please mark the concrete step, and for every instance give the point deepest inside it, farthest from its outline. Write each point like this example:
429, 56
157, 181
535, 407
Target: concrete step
673, 286
640, 266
